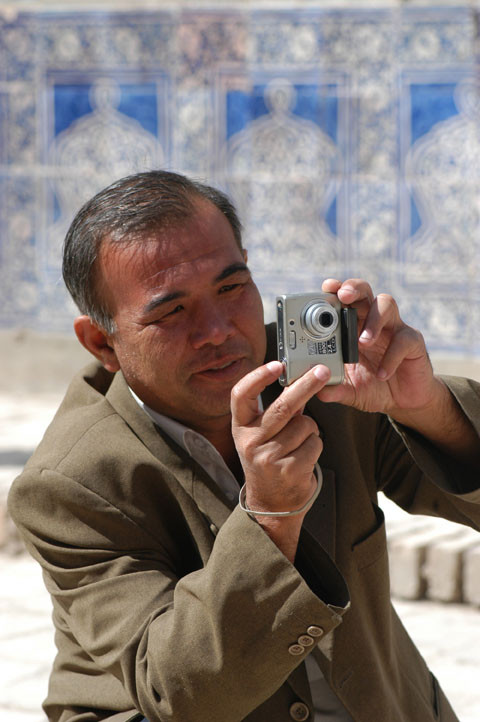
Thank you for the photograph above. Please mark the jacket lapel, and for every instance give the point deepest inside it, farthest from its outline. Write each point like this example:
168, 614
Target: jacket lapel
206, 494
214, 505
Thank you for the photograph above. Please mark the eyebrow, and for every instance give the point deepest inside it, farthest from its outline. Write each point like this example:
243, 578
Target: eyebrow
230, 270
158, 301
161, 300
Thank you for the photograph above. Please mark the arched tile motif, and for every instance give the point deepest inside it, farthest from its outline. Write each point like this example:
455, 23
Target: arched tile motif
348, 139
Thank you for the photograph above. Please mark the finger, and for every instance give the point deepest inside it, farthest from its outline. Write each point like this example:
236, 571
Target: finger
292, 399
292, 472
354, 292
297, 468
383, 313
331, 285
406, 345
351, 291
343, 393
300, 411
292, 436
306, 455
244, 404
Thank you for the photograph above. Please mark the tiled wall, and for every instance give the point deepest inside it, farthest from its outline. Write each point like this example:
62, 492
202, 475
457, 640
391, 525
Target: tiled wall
348, 139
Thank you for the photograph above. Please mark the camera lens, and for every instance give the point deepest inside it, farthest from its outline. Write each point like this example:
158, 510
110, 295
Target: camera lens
319, 319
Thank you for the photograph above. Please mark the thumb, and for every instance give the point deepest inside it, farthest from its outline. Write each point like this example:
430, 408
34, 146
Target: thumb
245, 393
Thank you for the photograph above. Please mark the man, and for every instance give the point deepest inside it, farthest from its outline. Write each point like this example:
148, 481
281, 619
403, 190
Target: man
171, 601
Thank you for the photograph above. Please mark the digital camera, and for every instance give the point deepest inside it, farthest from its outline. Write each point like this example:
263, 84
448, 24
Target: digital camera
315, 328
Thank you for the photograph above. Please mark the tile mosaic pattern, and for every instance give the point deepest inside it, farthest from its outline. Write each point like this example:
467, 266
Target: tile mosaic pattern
348, 139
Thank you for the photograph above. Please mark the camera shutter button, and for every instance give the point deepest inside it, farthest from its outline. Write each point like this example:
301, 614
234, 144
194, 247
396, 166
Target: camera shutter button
292, 339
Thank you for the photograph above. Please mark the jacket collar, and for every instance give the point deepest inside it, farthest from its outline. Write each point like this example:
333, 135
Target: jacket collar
211, 501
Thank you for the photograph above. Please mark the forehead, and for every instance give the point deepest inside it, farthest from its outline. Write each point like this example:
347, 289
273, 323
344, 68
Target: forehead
204, 244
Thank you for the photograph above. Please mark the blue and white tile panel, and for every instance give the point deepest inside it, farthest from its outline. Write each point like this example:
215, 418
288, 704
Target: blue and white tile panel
348, 139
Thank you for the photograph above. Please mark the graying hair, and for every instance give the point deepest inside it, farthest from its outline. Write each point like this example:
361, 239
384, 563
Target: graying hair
128, 211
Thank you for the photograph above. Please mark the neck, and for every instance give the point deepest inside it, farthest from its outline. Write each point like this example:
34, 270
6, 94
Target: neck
222, 440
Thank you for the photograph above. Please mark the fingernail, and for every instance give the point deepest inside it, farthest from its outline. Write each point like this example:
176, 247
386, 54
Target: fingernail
366, 335
274, 366
321, 372
381, 374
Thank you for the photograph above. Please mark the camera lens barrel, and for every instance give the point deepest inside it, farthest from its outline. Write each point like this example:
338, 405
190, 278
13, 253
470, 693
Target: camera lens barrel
319, 319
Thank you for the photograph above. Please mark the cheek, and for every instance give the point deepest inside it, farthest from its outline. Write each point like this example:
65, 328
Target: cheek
141, 354
252, 312
251, 305
163, 351
250, 320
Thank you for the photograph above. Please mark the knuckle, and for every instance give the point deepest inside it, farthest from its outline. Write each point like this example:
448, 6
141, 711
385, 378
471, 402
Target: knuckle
304, 427
290, 467
317, 442
409, 336
310, 425
281, 409
313, 448
415, 333
237, 392
269, 458
386, 299
250, 447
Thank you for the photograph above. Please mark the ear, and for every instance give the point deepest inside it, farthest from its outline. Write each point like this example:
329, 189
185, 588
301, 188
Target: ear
95, 340
245, 255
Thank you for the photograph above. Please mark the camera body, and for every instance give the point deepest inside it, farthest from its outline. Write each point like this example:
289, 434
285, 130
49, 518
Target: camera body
315, 328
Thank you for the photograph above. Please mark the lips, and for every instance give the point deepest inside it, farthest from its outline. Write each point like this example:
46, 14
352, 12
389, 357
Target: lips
222, 369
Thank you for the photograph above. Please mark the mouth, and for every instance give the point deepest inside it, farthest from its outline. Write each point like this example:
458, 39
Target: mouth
221, 366
222, 370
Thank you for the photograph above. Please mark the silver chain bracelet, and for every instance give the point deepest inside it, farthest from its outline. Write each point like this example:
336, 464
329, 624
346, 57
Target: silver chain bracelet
251, 512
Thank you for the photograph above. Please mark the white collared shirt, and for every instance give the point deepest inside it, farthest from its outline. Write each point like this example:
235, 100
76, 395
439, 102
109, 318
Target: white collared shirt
198, 447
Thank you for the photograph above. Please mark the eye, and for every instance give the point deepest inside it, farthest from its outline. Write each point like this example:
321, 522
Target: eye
230, 287
174, 311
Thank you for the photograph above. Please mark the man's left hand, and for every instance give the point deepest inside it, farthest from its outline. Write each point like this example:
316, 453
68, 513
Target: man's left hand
394, 374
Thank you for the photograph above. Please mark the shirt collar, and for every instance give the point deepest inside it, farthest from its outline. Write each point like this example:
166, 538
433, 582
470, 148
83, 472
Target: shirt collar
198, 447
174, 429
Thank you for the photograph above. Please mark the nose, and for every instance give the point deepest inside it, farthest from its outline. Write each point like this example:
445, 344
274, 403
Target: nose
211, 325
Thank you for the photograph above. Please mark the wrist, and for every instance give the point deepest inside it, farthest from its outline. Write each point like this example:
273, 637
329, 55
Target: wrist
283, 532
256, 509
444, 424
283, 526
430, 413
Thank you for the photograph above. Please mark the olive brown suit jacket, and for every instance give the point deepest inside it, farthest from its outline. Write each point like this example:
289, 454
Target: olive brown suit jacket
170, 601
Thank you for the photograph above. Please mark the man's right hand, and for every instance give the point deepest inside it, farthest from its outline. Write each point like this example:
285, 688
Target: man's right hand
278, 448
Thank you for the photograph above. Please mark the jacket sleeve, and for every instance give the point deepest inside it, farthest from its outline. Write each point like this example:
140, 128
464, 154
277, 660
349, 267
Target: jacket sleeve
445, 487
211, 644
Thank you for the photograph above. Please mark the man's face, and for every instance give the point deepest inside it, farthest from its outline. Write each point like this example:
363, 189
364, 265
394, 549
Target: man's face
189, 318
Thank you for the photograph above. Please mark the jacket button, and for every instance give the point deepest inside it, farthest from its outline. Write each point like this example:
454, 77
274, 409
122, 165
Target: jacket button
299, 711
315, 631
305, 640
296, 649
